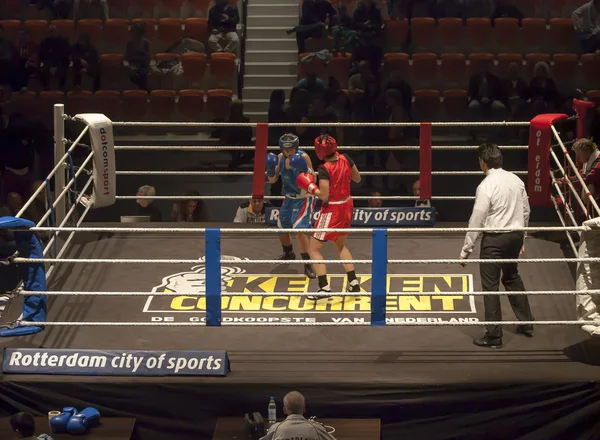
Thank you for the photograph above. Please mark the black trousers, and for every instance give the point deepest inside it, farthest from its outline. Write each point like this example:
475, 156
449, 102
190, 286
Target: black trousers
502, 246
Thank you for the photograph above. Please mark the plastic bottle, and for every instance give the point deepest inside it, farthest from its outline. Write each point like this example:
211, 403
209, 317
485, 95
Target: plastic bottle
272, 411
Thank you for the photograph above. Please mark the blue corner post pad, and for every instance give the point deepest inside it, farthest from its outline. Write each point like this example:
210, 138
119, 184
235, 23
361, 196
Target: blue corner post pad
213, 277
33, 276
379, 280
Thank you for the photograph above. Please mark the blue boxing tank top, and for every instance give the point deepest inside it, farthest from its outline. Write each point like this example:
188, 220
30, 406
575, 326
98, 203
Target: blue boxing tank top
288, 177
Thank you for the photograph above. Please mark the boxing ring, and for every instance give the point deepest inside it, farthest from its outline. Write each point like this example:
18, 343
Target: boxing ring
407, 333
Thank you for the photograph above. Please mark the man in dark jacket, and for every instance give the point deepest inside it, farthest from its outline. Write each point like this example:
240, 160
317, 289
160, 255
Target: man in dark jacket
222, 21
486, 95
312, 22
54, 58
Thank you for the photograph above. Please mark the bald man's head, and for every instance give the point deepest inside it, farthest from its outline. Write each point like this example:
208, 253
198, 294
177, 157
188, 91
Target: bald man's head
14, 202
294, 403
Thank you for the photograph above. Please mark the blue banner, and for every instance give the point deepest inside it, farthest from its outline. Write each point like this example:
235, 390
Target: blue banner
115, 362
403, 217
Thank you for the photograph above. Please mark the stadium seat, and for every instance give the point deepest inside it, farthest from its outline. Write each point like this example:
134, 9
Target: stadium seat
450, 31
47, 101
504, 59
590, 67
533, 33
422, 31
194, 66
162, 104
217, 102
170, 30
316, 65
111, 65
396, 32
200, 5
135, 104
37, 29
531, 59
13, 6
562, 33
397, 62
424, 68
222, 65
454, 67
147, 6
506, 32
339, 67
479, 30
79, 101
455, 104
197, 28
476, 60
173, 5
150, 26
565, 68
11, 29
594, 96
92, 27
116, 33
23, 102
191, 104
108, 102
427, 104
121, 6
65, 28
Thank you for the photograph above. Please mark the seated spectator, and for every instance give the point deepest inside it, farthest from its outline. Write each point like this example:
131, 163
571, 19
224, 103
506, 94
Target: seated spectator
251, 212
7, 53
507, 8
103, 4
542, 90
222, 21
27, 61
312, 21
368, 22
61, 9
295, 425
364, 93
23, 424
485, 94
298, 107
17, 156
397, 82
315, 86
340, 108
586, 22
189, 210
587, 156
517, 92
85, 60
342, 30
317, 113
14, 203
375, 202
54, 59
417, 193
394, 101
237, 136
145, 207
186, 45
137, 55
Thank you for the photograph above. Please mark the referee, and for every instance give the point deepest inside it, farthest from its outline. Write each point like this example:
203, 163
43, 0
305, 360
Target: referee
501, 202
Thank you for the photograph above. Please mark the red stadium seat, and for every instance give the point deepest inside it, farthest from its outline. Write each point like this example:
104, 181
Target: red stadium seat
566, 66
594, 96
11, 29
150, 26
427, 105
532, 59
191, 104
37, 29
92, 27
316, 65
506, 31
533, 33
455, 104
422, 31
218, 101
454, 67
424, 68
339, 68
108, 102
116, 32
451, 31
170, 30
194, 66
23, 102
562, 33
590, 65
477, 60
504, 59
65, 28
397, 62
78, 102
197, 28
162, 104
396, 32
479, 31
135, 104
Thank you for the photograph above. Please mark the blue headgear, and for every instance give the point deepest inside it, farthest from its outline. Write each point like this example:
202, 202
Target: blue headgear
288, 140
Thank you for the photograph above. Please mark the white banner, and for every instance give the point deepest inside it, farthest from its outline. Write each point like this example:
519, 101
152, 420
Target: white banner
103, 146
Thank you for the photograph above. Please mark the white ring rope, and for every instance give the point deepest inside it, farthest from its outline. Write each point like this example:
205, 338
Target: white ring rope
341, 148
319, 124
203, 294
562, 220
251, 173
247, 197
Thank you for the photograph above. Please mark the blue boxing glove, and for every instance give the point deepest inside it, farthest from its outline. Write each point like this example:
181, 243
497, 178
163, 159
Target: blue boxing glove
70, 410
272, 161
77, 424
298, 162
59, 423
92, 416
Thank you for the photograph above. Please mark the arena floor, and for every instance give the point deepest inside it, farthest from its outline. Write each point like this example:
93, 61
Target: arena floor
343, 353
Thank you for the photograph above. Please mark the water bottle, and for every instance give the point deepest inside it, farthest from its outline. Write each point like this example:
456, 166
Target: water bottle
272, 411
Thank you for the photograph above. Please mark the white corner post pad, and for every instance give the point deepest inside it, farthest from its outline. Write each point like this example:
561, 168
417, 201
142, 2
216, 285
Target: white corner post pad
593, 223
103, 146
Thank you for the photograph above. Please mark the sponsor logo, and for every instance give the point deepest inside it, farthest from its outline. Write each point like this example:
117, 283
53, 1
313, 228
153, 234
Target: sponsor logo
285, 305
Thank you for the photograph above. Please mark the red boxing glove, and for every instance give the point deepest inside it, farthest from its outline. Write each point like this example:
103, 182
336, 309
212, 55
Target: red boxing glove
307, 183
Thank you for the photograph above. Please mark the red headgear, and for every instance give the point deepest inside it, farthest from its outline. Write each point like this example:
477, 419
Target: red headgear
325, 145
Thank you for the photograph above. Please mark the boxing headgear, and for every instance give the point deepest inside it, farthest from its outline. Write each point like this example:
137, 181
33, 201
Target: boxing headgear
288, 140
325, 145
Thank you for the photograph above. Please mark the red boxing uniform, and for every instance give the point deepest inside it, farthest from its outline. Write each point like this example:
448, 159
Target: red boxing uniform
338, 211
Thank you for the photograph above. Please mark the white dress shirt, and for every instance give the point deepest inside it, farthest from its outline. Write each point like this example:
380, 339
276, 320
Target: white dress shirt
501, 201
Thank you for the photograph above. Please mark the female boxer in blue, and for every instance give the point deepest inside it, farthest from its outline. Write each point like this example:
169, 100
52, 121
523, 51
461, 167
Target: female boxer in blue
297, 208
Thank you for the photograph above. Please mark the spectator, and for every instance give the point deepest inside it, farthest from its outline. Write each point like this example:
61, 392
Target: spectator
587, 158
312, 21
14, 203
61, 9
145, 207
102, 3
27, 61
85, 60
222, 21
24, 426
363, 90
368, 22
251, 212
299, 105
137, 55
417, 193
238, 136
317, 113
17, 156
343, 30
517, 93
586, 21
341, 109
7, 53
394, 101
485, 93
315, 86
189, 210
54, 58
397, 82
375, 202
507, 8
295, 425
542, 90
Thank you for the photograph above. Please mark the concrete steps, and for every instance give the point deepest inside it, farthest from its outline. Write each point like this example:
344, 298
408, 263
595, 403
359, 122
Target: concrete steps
260, 44
271, 81
273, 20
266, 56
260, 92
278, 68
275, 9
271, 32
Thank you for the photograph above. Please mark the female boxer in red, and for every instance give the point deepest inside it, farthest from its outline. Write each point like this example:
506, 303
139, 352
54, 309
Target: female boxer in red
335, 177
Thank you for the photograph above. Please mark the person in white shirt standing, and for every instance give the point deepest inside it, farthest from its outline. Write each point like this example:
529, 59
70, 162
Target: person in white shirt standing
501, 201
